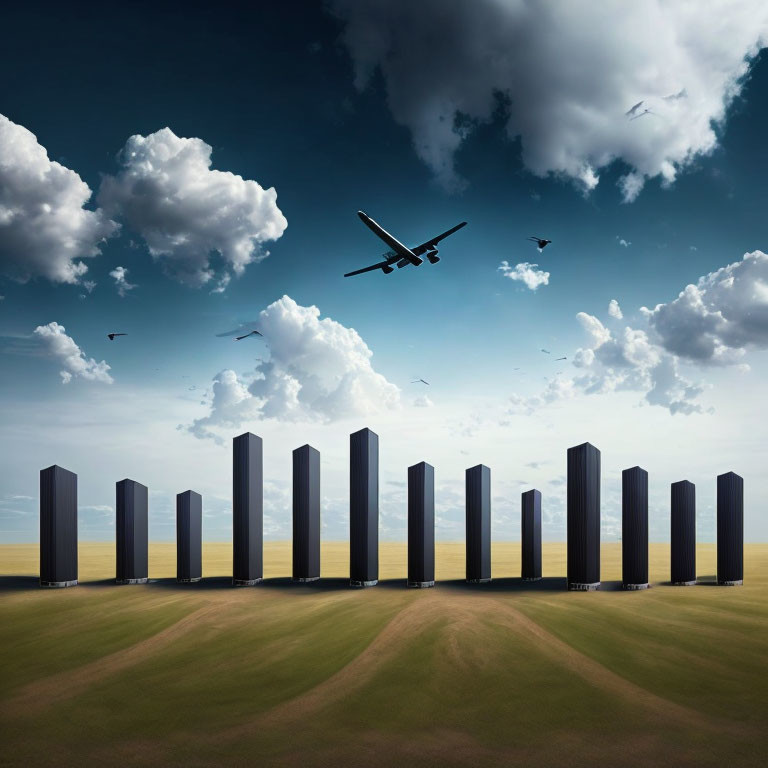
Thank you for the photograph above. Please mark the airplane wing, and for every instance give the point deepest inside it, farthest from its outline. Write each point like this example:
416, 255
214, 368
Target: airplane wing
380, 265
390, 258
430, 244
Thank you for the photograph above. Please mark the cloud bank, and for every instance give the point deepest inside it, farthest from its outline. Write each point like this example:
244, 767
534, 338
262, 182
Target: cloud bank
318, 370
69, 355
167, 192
44, 227
566, 74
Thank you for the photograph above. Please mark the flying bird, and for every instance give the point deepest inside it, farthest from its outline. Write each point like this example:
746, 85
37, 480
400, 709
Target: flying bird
560, 358
112, 335
681, 94
245, 336
416, 381
541, 242
642, 114
546, 351
630, 112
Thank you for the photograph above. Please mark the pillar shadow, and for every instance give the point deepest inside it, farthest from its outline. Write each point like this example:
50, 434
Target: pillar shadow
19, 583
99, 583
547, 584
204, 585
335, 584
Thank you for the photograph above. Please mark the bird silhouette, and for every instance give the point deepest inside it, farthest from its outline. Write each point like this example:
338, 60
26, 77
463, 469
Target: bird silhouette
112, 335
541, 242
416, 381
560, 358
630, 112
245, 336
642, 114
546, 351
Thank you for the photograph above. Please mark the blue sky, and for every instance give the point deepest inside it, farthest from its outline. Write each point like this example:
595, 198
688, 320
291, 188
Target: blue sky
344, 106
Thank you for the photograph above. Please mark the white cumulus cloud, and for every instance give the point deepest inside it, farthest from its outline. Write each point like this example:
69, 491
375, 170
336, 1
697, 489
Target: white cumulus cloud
565, 74
614, 310
186, 212
69, 355
526, 273
718, 318
318, 370
423, 402
120, 275
44, 228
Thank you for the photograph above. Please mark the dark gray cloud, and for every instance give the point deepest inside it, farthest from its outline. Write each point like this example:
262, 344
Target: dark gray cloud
718, 318
567, 72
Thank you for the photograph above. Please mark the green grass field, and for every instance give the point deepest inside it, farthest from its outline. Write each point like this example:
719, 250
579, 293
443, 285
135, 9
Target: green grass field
280, 674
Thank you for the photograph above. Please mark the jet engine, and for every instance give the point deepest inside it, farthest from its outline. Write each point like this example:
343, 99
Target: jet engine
433, 257
386, 270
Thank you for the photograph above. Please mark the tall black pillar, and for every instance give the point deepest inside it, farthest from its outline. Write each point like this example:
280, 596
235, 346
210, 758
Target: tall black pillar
189, 536
58, 527
730, 529
247, 510
306, 514
478, 522
634, 528
683, 534
131, 534
363, 508
583, 517
421, 525
531, 535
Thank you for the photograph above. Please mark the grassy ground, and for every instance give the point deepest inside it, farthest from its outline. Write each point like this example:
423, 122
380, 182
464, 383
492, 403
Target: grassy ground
281, 674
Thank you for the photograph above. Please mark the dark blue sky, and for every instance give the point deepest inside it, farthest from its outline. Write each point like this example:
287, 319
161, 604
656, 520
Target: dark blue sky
271, 89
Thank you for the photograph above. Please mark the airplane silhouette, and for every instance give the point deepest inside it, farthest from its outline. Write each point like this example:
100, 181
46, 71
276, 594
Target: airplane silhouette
112, 335
540, 241
400, 255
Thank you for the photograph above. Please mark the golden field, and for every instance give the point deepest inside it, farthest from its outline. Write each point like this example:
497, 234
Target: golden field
303, 675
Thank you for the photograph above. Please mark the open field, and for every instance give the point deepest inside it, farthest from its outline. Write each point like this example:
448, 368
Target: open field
281, 674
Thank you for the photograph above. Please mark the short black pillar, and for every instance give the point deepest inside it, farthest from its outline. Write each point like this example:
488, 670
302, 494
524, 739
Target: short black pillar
634, 528
683, 533
189, 536
306, 514
531, 535
421, 525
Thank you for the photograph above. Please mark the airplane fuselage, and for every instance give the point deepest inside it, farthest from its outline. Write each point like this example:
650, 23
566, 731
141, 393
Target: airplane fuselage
401, 250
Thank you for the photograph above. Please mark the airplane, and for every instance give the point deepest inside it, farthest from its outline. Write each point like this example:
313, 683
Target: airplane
112, 335
399, 255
